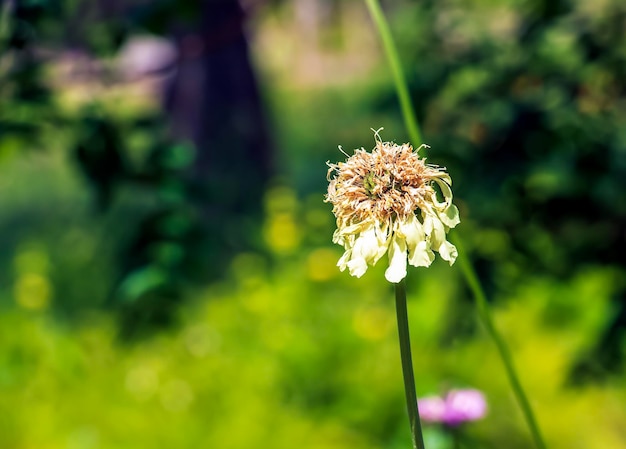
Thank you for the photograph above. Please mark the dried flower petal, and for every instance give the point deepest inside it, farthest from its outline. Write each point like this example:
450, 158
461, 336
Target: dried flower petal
379, 198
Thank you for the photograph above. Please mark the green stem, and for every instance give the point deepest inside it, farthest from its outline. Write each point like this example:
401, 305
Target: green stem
456, 438
466, 267
398, 75
505, 354
5, 17
407, 366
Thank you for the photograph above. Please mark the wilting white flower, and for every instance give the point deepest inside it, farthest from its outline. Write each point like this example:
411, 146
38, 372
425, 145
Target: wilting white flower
385, 202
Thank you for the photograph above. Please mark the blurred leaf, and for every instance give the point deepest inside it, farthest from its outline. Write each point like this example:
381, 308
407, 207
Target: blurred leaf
142, 281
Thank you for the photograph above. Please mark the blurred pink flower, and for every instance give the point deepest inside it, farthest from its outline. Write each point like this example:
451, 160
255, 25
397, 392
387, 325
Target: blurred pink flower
432, 408
457, 407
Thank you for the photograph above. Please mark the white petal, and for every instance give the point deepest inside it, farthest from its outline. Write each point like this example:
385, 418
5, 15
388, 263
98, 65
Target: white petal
419, 251
411, 229
337, 237
353, 229
450, 217
397, 260
445, 190
367, 245
384, 231
342, 263
363, 249
448, 252
434, 229
445, 177
357, 266
421, 256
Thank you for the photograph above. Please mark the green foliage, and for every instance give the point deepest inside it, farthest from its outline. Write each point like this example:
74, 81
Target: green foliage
279, 349
290, 351
523, 103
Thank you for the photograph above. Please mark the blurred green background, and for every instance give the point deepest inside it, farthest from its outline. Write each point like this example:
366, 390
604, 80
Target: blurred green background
167, 278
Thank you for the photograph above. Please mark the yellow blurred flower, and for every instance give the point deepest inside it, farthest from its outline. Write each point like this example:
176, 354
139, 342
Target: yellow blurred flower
385, 202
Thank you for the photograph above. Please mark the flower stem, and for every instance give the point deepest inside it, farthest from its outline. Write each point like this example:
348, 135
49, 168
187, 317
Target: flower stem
398, 75
456, 438
407, 366
466, 267
5, 19
505, 354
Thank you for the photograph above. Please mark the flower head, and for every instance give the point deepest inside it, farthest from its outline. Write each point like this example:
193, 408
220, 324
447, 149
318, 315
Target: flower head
457, 407
386, 202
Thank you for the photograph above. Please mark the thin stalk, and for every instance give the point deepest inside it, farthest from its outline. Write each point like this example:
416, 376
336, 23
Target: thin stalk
456, 438
398, 74
505, 354
466, 267
5, 18
407, 366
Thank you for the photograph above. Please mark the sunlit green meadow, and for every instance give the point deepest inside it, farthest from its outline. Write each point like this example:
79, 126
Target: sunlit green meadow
288, 352
285, 351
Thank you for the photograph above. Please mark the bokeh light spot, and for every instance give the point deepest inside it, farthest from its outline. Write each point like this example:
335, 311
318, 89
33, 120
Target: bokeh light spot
32, 291
142, 382
201, 340
176, 396
31, 260
281, 233
322, 264
372, 322
281, 200
83, 438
